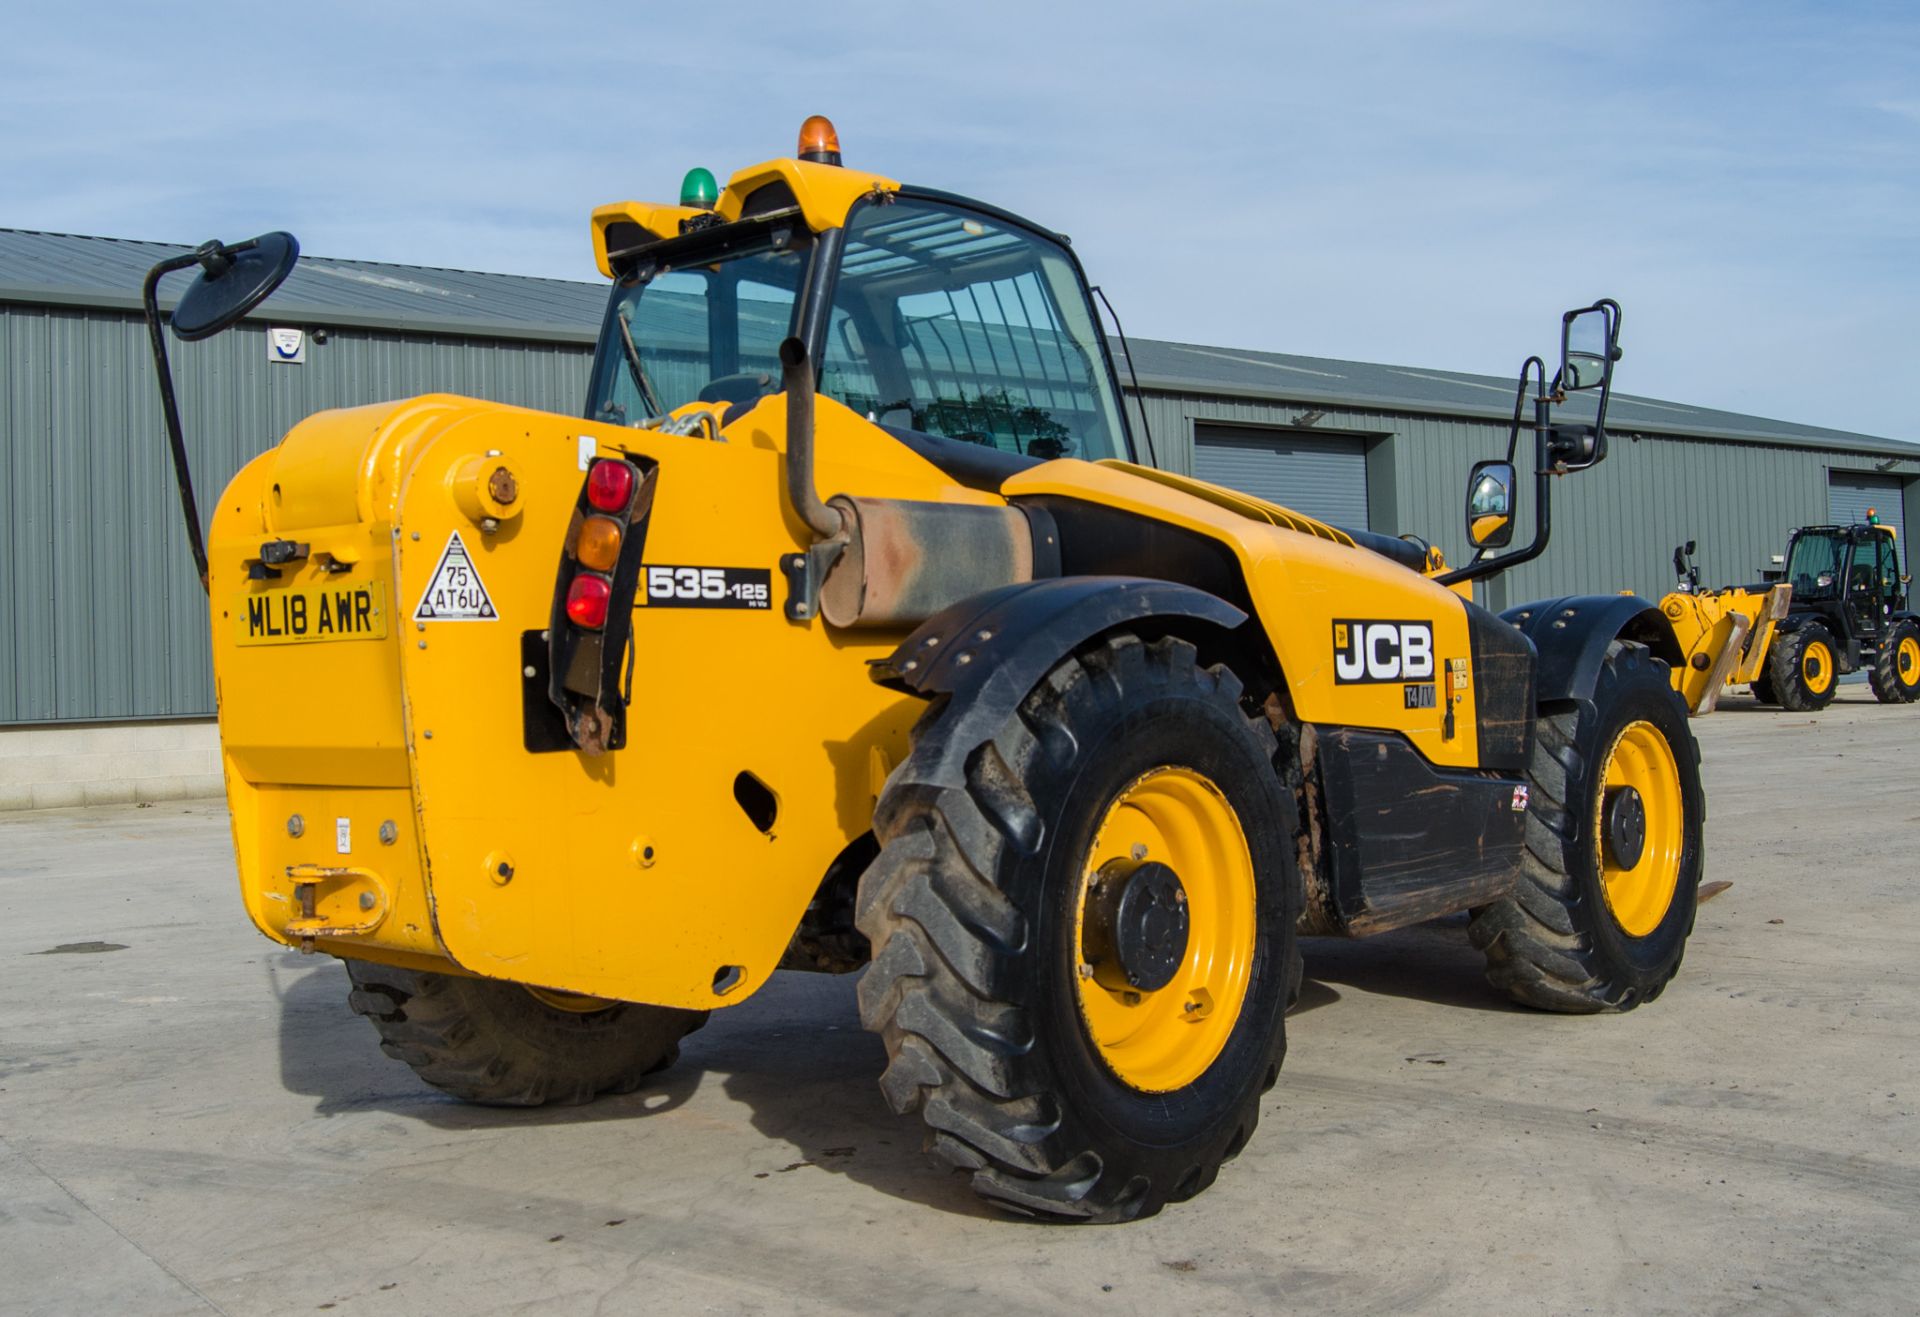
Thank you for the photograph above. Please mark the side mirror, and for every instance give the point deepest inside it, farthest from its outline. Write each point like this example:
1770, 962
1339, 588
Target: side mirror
232, 281
1490, 487
1589, 345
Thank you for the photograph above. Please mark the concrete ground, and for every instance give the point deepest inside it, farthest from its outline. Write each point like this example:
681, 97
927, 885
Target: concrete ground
192, 1119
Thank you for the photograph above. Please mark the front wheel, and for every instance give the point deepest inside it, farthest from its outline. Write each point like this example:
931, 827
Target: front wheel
1083, 954
1598, 920
1801, 664
1895, 676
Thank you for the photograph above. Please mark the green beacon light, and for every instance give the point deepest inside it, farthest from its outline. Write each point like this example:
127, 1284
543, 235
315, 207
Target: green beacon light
698, 189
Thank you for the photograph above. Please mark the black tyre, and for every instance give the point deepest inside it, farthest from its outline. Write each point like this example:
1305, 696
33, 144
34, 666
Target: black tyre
501, 1045
1599, 919
1895, 675
1762, 687
1803, 670
1023, 1007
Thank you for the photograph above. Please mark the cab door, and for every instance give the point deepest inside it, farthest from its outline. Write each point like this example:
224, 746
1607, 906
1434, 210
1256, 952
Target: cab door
1867, 585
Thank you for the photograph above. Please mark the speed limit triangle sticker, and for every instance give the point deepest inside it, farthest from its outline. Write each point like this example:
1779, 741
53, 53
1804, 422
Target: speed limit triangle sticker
455, 594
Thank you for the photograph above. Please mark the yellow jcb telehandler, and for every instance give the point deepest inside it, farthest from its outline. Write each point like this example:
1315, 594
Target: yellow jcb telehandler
1842, 607
564, 732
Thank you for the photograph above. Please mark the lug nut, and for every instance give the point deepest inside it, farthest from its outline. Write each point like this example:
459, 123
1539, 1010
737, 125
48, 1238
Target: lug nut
389, 833
366, 900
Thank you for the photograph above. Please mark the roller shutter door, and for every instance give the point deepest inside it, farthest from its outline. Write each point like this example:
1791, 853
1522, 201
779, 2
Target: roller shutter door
1324, 476
1851, 493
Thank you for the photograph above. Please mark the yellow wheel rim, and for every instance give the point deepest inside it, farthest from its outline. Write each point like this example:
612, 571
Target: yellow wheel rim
572, 1002
1639, 896
1165, 1039
1816, 667
1907, 660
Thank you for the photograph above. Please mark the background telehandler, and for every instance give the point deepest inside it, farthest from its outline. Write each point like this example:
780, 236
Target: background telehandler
1843, 606
564, 732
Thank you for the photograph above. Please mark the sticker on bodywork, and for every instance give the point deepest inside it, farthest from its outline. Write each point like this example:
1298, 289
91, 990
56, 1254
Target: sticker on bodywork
708, 587
455, 592
1381, 651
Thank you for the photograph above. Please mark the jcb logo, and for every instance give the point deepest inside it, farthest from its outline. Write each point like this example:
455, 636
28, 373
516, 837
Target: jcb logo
1382, 651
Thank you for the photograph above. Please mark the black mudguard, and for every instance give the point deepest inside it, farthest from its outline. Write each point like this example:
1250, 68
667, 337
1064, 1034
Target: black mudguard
989, 651
1571, 636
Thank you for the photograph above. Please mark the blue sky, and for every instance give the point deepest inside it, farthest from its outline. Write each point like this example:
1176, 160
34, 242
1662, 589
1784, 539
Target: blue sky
1425, 184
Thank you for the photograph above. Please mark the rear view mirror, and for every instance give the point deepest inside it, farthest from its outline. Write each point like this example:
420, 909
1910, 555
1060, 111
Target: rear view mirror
232, 281
1587, 348
1490, 499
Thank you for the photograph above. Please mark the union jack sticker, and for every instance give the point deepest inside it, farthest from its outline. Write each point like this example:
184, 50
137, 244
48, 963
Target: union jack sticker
1521, 794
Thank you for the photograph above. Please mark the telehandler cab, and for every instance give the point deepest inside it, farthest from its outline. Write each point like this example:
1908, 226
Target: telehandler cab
563, 733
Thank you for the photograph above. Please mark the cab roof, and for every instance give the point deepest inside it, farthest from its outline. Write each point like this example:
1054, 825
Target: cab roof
821, 193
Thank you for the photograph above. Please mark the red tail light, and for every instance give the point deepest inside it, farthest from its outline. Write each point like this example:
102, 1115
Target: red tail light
587, 600
610, 486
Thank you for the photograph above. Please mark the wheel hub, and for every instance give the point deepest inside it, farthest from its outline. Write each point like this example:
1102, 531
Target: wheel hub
1137, 924
1626, 815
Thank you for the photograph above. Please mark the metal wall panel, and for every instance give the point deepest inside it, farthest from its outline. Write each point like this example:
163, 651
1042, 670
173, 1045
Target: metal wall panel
1851, 494
1322, 475
1614, 526
100, 614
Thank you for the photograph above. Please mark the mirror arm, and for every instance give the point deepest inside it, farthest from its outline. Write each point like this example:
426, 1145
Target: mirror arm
1482, 566
170, 408
1539, 368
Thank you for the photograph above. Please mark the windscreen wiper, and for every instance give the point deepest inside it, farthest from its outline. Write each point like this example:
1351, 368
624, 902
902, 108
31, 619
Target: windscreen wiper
636, 369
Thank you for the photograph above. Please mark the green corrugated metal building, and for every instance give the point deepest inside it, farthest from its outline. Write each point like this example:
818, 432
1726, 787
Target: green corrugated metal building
101, 619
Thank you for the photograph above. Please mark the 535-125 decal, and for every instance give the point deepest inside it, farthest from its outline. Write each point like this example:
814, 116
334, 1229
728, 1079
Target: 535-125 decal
708, 587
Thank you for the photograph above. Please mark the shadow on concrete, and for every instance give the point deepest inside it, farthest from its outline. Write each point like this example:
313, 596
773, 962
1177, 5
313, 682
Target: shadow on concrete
794, 1056
1431, 962
1313, 995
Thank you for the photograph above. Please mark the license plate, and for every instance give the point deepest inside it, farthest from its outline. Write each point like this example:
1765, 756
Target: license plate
317, 612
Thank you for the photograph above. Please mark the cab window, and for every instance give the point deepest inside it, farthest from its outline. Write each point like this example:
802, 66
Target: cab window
952, 323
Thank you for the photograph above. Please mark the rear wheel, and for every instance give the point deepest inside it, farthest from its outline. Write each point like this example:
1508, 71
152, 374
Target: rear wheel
1895, 676
1599, 918
1801, 664
1082, 957
501, 1044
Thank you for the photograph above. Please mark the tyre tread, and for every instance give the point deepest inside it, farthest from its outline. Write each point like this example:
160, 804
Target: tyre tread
947, 939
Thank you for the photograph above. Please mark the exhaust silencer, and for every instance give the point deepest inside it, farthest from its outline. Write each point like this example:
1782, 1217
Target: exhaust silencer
905, 561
